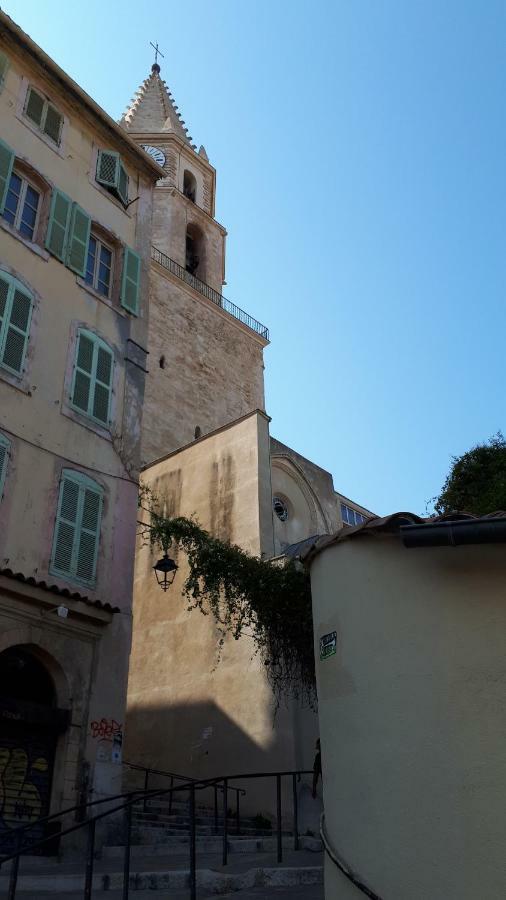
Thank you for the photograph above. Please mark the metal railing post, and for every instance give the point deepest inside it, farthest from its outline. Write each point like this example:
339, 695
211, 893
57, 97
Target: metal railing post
13, 880
216, 809
170, 795
146, 781
193, 872
126, 858
90, 858
225, 821
295, 813
278, 817
238, 812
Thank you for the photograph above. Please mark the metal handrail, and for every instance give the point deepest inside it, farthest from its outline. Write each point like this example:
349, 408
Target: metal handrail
207, 291
191, 786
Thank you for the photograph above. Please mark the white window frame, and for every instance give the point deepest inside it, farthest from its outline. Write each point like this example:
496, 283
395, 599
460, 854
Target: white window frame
25, 183
94, 283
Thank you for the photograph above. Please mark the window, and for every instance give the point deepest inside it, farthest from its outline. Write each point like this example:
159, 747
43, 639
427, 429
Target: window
4, 456
194, 262
351, 516
15, 314
44, 115
99, 266
92, 379
280, 508
21, 205
77, 528
189, 185
130, 282
111, 173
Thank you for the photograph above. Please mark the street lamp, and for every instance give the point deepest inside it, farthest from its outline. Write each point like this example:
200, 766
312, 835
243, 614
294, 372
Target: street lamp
165, 571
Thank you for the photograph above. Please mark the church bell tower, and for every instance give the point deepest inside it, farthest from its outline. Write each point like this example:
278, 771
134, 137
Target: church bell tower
206, 354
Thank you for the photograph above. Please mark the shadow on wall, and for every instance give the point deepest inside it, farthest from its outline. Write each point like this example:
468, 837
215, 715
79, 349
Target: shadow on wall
201, 741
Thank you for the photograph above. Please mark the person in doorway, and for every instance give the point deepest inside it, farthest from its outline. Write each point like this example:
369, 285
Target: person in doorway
317, 766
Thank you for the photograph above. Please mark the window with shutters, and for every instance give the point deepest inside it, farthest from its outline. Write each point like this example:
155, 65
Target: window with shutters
92, 378
22, 205
77, 528
15, 314
130, 281
5, 446
41, 113
112, 174
99, 266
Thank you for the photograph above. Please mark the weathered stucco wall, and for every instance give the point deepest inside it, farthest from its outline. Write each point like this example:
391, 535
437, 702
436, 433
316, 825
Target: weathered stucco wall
412, 717
212, 367
187, 712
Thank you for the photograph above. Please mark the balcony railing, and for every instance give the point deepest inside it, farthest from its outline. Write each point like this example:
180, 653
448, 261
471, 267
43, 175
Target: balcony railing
163, 260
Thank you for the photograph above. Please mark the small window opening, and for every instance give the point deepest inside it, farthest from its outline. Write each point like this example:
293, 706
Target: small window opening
194, 251
280, 508
189, 185
162, 362
198, 432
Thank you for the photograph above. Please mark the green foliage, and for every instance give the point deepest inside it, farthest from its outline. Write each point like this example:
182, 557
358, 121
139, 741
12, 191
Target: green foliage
477, 480
246, 596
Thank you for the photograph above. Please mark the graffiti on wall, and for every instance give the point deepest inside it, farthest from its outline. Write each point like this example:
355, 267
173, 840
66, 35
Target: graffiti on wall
106, 729
20, 798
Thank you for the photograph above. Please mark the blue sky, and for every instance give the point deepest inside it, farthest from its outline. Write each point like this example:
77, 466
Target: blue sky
360, 150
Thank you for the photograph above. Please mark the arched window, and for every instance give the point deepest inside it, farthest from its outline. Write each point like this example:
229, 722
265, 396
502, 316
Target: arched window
195, 250
189, 185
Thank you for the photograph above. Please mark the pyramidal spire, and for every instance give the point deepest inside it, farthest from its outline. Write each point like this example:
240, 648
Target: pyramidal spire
153, 110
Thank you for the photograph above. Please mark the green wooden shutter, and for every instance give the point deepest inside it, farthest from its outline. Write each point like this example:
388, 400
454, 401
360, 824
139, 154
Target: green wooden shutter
15, 315
92, 382
83, 372
34, 108
77, 528
123, 184
4, 456
79, 236
103, 384
6, 164
59, 223
108, 164
4, 65
53, 121
130, 282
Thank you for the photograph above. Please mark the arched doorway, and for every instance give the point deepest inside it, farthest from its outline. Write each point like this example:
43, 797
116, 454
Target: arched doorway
30, 723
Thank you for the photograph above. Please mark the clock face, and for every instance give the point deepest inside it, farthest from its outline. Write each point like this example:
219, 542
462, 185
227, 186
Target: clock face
157, 154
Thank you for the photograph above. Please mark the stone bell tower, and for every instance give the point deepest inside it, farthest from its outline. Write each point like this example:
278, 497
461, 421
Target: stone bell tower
205, 353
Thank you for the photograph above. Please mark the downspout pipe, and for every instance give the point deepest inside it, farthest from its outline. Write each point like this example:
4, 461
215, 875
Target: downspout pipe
455, 534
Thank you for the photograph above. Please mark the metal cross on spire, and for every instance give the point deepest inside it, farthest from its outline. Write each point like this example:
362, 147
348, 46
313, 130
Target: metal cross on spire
157, 51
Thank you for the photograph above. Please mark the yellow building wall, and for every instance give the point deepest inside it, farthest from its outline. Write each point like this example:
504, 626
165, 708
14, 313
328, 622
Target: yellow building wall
412, 722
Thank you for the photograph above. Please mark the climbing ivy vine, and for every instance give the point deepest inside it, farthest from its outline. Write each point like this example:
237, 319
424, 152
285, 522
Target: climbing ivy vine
268, 601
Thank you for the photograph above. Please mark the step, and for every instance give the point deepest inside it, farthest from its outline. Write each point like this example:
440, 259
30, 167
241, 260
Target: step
177, 845
176, 879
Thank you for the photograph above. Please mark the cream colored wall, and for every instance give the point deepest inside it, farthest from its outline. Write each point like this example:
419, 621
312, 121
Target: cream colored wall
46, 436
412, 717
187, 712
213, 370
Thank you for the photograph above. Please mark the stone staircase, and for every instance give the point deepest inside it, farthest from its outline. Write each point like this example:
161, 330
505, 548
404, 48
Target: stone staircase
159, 860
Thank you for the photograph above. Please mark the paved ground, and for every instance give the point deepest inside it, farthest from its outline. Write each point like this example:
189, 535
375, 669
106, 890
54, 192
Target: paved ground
305, 892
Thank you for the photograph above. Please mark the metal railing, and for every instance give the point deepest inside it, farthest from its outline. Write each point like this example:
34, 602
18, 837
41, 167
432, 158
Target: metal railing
126, 808
218, 299
239, 792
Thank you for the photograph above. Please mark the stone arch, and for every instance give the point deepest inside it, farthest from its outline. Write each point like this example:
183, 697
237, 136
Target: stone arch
195, 259
35, 641
190, 185
304, 513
